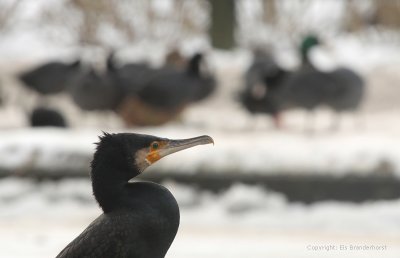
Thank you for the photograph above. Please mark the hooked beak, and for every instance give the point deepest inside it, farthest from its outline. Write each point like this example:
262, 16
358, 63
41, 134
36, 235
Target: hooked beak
167, 147
173, 146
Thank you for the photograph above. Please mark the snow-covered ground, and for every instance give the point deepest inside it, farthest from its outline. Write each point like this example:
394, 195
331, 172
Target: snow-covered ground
260, 152
39, 219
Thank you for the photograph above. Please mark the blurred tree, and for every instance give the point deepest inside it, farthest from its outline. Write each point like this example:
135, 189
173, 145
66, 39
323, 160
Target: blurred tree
353, 19
222, 23
189, 24
269, 11
7, 11
387, 13
97, 13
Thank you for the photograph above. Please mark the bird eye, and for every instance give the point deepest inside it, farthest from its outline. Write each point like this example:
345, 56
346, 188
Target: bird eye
154, 145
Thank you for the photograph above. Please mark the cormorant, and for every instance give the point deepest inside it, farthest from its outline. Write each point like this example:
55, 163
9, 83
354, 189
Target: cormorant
50, 78
42, 116
140, 219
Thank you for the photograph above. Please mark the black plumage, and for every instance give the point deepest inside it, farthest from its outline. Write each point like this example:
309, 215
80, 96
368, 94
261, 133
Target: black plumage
157, 96
263, 77
263, 64
50, 78
140, 219
341, 89
173, 89
42, 116
133, 77
93, 90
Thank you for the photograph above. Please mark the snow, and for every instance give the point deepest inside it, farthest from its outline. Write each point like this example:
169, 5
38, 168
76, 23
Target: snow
257, 152
243, 221
37, 219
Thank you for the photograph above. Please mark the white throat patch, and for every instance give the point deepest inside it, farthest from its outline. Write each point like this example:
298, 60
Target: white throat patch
141, 159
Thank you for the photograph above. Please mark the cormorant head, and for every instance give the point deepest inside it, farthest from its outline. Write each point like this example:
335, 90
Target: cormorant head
125, 155
121, 157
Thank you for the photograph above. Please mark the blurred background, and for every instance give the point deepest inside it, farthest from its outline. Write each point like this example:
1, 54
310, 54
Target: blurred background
300, 96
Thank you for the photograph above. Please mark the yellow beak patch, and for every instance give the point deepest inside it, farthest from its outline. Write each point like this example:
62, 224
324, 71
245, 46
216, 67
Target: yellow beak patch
154, 154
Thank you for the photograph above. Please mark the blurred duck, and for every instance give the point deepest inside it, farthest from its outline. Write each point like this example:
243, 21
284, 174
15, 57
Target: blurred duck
131, 77
262, 77
171, 89
50, 78
341, 89
175, 59
263, 65
93, 90
166, 92
42, 116
134, 76
203, 82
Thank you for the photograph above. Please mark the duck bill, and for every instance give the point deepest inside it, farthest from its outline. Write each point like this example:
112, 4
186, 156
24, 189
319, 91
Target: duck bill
172, 146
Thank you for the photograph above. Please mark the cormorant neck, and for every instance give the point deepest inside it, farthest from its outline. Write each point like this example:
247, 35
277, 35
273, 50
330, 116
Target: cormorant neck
110, 174
109, 189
